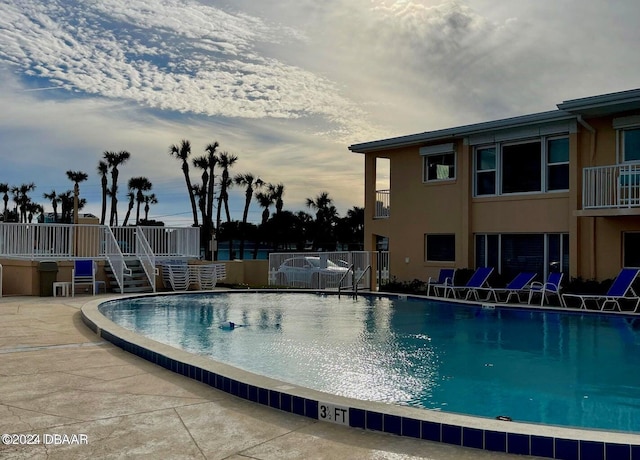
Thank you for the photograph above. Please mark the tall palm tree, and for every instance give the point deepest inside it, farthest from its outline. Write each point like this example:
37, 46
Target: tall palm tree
226, 161
138, 185
251, 183
277, 191
265, 200
54, 203
200, 191
76, 177
4, 189
21, 198
149, 200
201, 199
67, 203
182, 152
103, 169
131, 199
114, 160
207, 163
213, 160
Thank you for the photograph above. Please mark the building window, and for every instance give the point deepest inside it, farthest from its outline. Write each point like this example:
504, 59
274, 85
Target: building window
440, 247
438, 162
558, 164
513, 253
631, 144
486, 171
524, 167
631, 250
521, 168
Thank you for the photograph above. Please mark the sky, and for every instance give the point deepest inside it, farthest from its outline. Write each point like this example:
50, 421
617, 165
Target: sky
285, 85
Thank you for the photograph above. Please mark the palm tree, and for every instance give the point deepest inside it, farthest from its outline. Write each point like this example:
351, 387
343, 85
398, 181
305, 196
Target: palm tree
21, 198
139, 184
226, 161
131, 197
213, 160
182, 152
4, 189
200, 191
277, 191
76, 177
251, 183
67, 203
265, 200
115, 159
103, 169
206, 193
326, 214
54, 203
148, 200
32, 209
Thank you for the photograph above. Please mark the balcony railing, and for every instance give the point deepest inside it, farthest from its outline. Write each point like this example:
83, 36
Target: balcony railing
616, 186
382, 204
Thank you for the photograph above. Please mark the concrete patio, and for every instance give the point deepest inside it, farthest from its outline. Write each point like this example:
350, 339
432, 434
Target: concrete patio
58, 378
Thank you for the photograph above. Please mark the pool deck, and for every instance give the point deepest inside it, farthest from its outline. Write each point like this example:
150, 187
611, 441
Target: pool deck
58, 378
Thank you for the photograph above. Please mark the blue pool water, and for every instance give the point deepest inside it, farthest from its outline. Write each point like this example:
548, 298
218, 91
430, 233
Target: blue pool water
546, 367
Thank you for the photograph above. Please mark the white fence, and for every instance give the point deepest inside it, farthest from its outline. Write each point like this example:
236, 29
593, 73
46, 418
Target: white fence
163, 241
616, 186
326, 270
67, 241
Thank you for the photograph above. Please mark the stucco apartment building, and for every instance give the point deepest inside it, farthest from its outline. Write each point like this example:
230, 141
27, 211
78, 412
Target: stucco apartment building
557, 190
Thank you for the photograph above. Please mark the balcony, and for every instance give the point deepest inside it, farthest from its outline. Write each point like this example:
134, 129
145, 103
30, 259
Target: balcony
614, 187
382, 204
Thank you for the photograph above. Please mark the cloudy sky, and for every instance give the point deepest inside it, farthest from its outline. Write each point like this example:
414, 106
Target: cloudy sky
286, 85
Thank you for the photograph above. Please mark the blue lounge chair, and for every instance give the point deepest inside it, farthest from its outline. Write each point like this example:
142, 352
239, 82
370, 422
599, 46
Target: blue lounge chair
444, 281
550, 288
517, 286
619, 289
478, 281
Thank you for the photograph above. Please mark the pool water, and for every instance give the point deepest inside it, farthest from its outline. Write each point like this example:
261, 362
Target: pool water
569, 369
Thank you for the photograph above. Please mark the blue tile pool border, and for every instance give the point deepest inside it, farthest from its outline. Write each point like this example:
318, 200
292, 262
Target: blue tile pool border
486, 439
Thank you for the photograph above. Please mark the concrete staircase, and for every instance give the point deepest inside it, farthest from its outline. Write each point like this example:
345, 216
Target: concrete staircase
136, 283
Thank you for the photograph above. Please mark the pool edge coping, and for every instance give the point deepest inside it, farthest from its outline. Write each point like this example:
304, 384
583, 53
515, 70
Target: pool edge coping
457, 429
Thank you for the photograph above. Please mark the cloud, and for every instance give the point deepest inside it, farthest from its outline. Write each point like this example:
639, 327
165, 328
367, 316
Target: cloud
175, 55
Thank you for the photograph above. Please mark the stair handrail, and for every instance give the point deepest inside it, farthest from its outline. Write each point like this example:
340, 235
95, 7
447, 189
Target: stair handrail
344, 275
356, 281
115, 258
147, 258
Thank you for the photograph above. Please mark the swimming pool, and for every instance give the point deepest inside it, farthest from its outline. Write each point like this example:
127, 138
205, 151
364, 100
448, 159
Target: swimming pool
535, 366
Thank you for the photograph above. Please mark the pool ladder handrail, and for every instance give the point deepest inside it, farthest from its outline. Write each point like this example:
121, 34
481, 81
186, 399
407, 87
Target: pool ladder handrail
349, 269
357, 281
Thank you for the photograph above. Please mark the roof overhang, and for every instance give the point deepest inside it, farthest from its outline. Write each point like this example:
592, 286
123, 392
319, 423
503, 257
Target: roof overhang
459, 132
604, 104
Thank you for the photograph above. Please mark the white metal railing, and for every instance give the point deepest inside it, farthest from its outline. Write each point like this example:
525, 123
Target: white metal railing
616, 186
382, 204
164, 241
115, 258
50, 241
147, 258
83, 241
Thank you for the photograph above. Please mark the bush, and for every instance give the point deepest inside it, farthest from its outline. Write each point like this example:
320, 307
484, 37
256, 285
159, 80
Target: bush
406, 287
